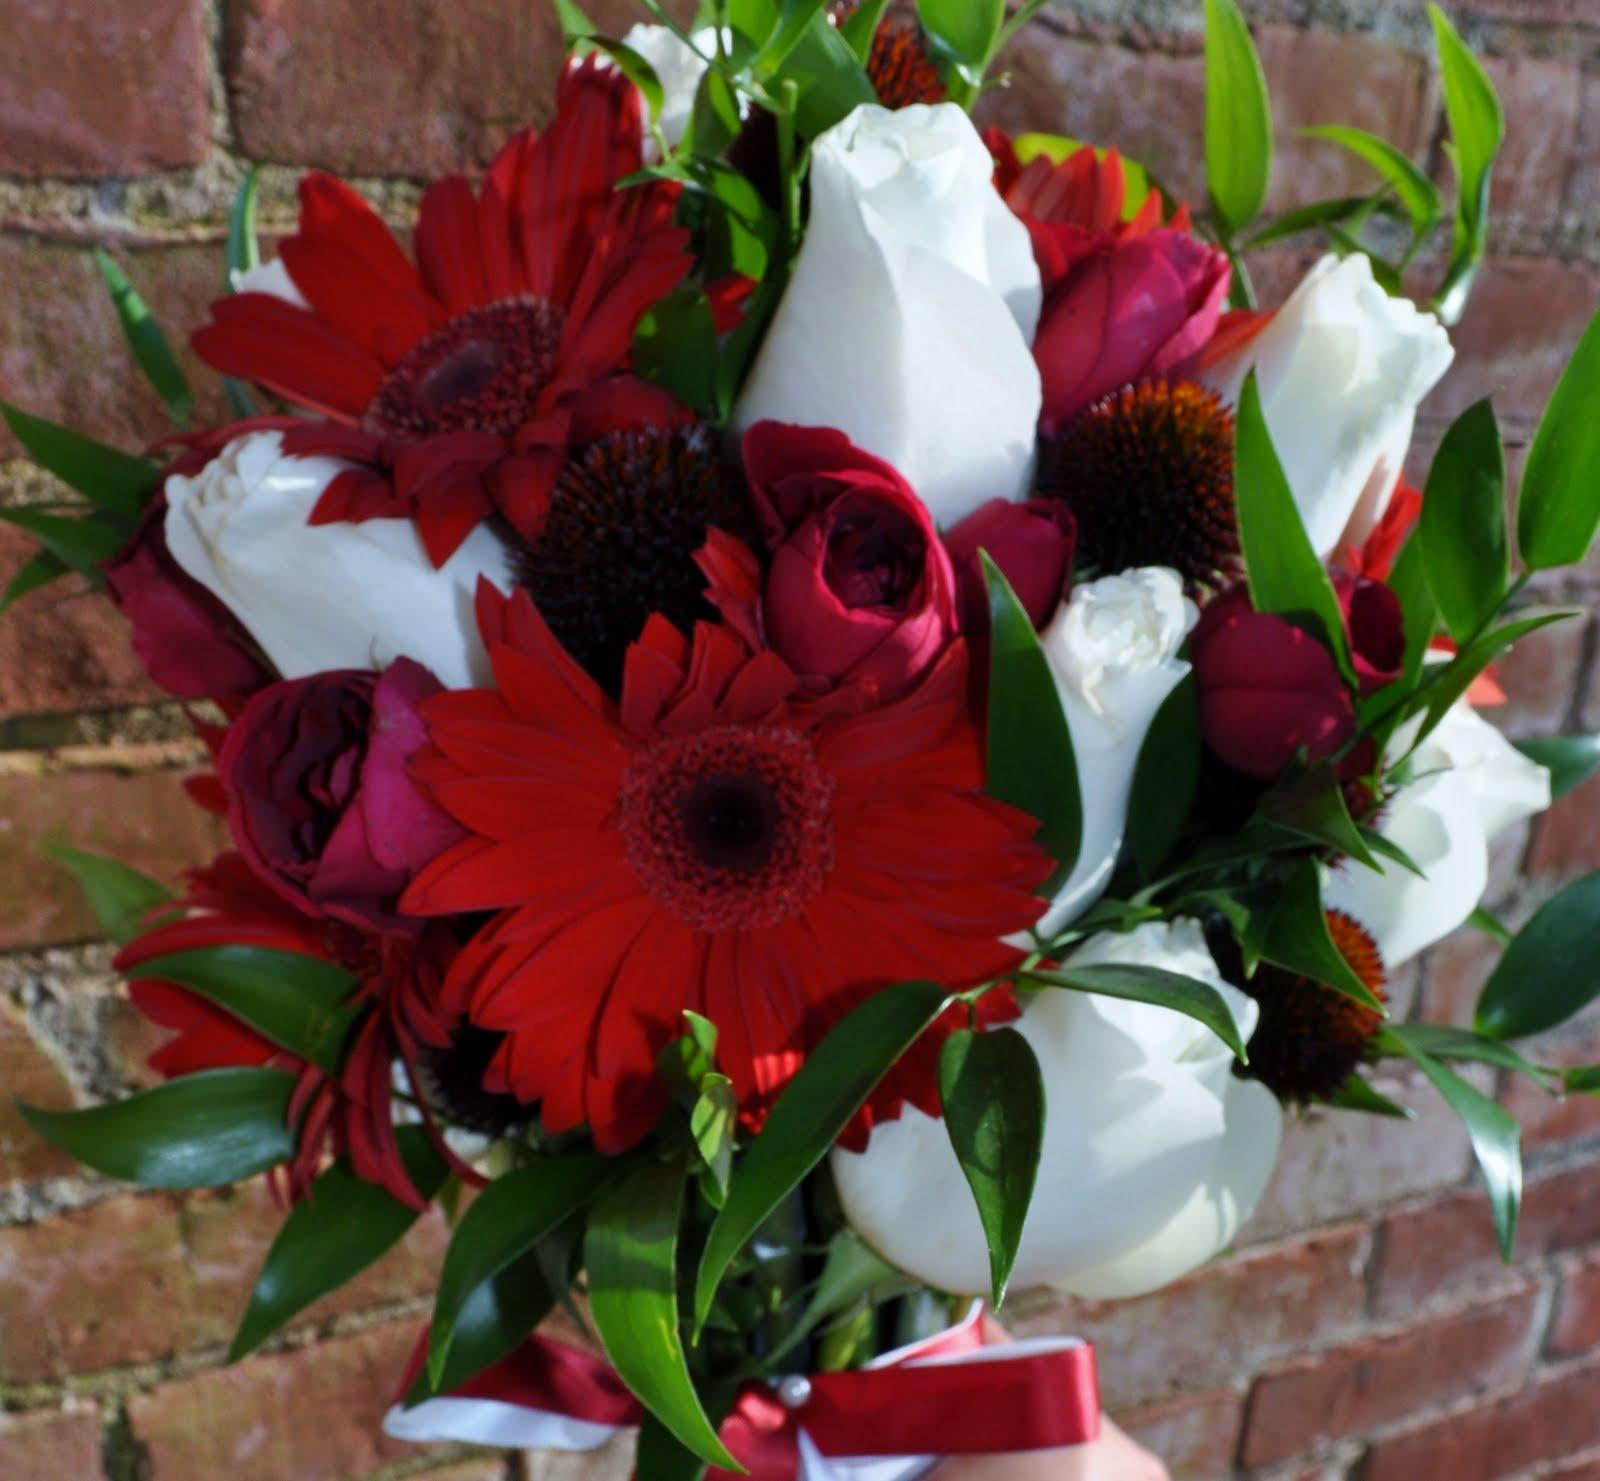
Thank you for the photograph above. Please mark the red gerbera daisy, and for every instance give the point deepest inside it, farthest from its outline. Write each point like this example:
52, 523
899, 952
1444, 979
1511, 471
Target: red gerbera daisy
449, 381
715, 842
401, 984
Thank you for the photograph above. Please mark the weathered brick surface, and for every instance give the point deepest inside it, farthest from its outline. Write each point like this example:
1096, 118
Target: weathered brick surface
1196, 1436
1542, 97
76, 80
52, 1443
1576, 1328
27, 1074
1566, 840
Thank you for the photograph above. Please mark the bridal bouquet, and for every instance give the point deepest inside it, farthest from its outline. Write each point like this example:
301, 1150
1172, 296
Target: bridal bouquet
818, 715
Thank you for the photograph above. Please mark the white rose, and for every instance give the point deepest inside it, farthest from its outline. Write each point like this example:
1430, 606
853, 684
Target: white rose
270, 277
908, 319
1113, 649
1470, 785
1342, 368
1154, 1153
318, 597
679, 67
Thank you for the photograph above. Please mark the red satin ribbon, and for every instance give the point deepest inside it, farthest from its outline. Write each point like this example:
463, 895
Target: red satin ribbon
934, 1399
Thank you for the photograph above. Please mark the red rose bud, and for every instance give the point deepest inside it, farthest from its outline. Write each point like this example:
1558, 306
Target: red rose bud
320, 801
1116, 312
188, 641
859, 586
1375, 626
1032, 543
1268, 689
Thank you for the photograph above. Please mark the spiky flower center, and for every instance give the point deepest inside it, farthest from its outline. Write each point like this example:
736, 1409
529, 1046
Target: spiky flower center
481, 372
1148, 474
618, 542
900, 65
451, 1076
1311, 1037
730, 829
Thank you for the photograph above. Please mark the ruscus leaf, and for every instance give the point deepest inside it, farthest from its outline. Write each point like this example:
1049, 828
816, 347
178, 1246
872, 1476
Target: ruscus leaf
1551, 970
1238, 119
1465, 545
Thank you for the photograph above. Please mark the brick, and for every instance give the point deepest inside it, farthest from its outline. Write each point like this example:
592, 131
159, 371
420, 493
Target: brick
1456, 971
1222, 1320
1542, 99
1525, 315
486, 1468
1321, 77
62, 354
59, 1442
1549, 1120
1148, 105
66, 648
1554, 1416
142, 818
1576, 1328
1566, 840
1540, 675
1583, 184
394, 87
1366, 1385
1584, 1469
312, 1413
1195, 1436
1334, 1165
1427, 1251
28, 1075
92, 90
613, 1461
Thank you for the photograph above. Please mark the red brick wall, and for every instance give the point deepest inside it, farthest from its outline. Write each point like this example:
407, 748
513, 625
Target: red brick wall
1364, 1322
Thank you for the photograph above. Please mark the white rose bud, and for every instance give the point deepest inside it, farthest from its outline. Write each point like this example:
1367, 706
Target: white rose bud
908, 320
1471, 784
1113, 649
1154, 1153
319, 597
270, 277
1342, 368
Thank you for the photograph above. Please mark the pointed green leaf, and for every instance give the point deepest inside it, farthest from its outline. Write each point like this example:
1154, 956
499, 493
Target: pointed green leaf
862, 26
795, 18
200, 1131
1238, 127
328, 1239
84, 543
675, 346
120, 897
1477, 127
1313, 805
1558, 509
813, 1110
495, 1319
1456, 677
992, 1095
1031, 761
148, 343
244, 250
631, 1255
1443, 1041
1584, 1081
40, 569
1570, 759
1551, 970
1416, 191
965, 29
1298, 938
115, 481
1465, 545
1166, 779
1187, 995
1357, 1095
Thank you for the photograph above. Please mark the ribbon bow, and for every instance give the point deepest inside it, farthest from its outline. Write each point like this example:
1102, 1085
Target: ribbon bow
949, 1395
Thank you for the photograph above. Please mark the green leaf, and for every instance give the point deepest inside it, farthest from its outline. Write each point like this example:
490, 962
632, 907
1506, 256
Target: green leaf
1585, 1081
1319, 216
816, 1106
830, 80
243, 250
199, 1131
40, 569
675, 347
1313, 805
1558, 509
634, 67
1456, 677
631, 1254
496, 1317
504, 1223
966, 29
85, 543
1409, 582
1416, 191
711, 1124
1357, 1095
1166, 779
1465, 547
1445, 1042
1238, 129
113, 480
862, 26
345, 1225
851, 1270
1570, 759
992, 1094
660, 1455
1031, 762
1187, 995
1477, 127
1298, 939
795, 18
1284, 573
148, 343
1496, 1139
1490, 924
303, 1005
1550, 971
120, 897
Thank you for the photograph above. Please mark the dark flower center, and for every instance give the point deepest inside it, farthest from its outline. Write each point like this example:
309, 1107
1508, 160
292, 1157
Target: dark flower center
451, 1077
481, 372
729, 829
876, 555
628, 514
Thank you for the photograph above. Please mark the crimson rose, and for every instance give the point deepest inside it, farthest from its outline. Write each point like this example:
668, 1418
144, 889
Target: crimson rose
320, 801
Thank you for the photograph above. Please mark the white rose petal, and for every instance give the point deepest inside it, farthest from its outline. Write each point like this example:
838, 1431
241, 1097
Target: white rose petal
1342, 368
679, 67
1113, 649
270, 277
908, 319
319, 597
1142, 1161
